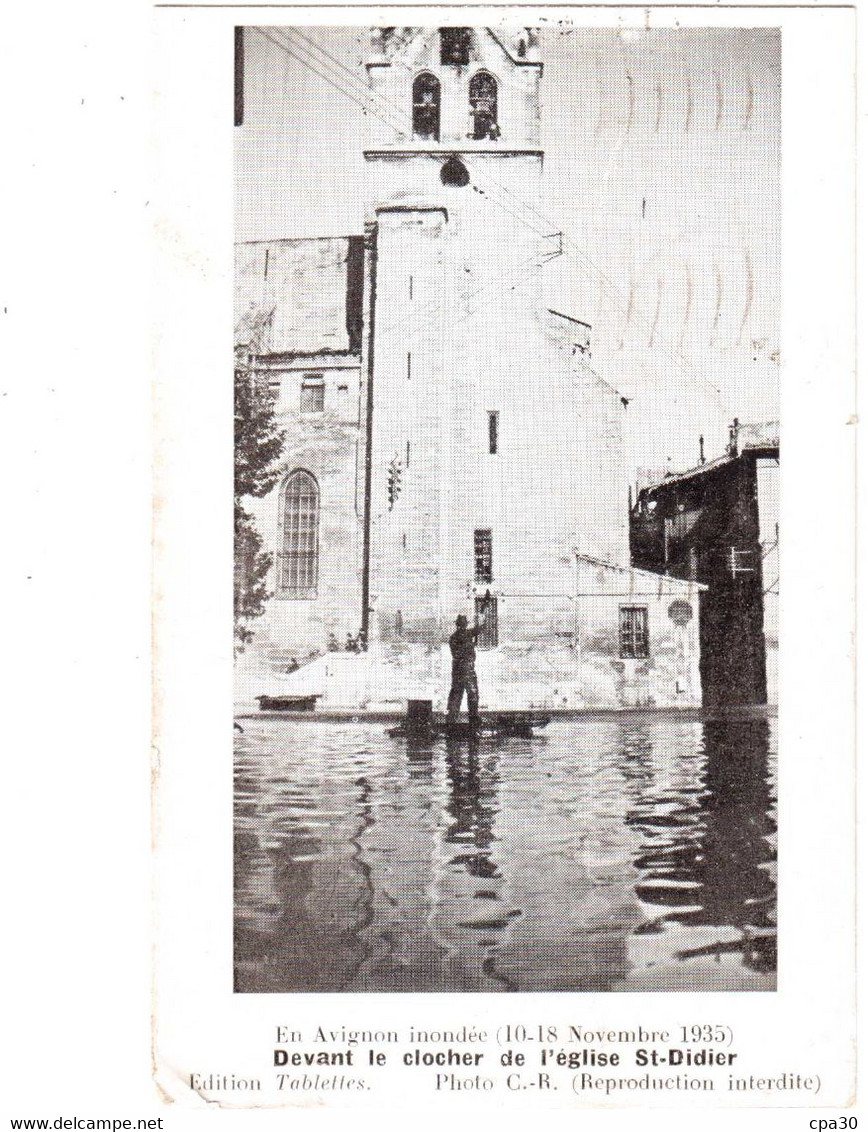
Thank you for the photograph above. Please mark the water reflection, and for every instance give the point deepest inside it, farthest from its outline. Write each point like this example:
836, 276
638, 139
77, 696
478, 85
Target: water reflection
707, 853
617, 854
471, 806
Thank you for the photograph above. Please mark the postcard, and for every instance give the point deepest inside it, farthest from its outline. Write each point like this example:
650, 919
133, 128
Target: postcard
504, 702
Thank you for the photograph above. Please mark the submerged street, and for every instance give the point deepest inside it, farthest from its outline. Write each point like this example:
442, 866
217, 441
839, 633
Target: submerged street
632, 853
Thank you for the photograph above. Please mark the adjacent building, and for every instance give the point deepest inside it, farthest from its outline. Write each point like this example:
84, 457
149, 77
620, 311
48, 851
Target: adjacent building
717, 523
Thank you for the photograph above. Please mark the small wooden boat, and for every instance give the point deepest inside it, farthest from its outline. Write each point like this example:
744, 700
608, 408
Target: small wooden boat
513, 724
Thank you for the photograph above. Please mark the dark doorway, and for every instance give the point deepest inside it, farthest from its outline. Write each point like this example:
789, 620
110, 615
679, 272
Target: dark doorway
487, 638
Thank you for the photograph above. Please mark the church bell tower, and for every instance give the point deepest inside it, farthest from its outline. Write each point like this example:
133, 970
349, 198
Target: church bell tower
452, 107
475, 399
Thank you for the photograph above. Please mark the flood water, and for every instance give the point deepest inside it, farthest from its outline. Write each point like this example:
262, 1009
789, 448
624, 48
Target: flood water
622, 854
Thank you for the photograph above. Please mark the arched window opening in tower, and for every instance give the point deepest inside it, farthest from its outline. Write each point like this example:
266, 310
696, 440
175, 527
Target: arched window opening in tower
454, 173
426, 107
298, 557
455, 46
483, 107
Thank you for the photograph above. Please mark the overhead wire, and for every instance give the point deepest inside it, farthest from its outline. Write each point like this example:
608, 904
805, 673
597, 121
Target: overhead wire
518, 271
397, 123
291, 50
522, 269
607, 284
363, 93
435, 307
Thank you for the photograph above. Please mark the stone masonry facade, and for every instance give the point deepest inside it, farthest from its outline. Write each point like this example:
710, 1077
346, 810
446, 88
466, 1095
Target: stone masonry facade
456, 443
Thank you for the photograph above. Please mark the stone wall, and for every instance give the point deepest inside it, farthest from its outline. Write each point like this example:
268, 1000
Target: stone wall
406, 52
298, 319
580, 669
306, 288
326, 445
454, 344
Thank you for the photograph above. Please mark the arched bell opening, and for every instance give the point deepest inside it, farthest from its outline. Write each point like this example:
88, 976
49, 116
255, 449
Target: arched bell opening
426, 107
483, 107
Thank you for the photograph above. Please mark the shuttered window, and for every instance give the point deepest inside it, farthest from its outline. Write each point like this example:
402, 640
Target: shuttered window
634, 632
482, 553
312, 393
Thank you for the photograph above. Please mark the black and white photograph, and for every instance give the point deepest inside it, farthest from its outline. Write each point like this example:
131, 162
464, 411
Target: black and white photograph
507, 447
429, 694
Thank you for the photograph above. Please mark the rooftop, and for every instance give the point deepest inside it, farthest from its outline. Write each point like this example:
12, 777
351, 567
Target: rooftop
743, 438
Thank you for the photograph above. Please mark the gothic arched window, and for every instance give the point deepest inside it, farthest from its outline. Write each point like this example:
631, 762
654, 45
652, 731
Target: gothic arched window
299, 549
426, 107
483, 106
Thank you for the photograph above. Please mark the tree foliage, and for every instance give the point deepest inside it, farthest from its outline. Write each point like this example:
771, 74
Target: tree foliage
258, 439
252, 564
258, 446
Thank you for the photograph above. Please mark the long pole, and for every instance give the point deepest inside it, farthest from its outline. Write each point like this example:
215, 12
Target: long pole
369, 431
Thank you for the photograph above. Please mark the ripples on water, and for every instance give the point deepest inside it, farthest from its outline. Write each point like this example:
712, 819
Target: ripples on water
616, 854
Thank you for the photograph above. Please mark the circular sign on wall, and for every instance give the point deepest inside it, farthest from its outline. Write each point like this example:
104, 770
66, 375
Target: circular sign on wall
681, 612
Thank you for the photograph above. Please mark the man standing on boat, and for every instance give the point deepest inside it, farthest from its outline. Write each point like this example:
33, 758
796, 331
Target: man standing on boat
462, 645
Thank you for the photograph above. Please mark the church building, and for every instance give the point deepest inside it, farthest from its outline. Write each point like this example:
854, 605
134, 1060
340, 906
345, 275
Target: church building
449, 446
